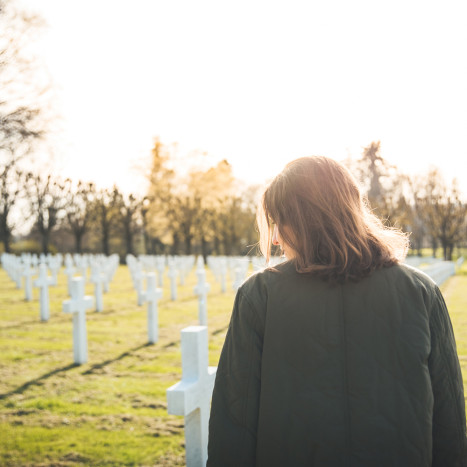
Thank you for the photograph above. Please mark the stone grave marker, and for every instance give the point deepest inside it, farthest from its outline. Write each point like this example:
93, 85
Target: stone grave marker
191, 397
223, 274
151, 296
160, 266
17, 270
201, 289
239, 278
55, 263
139, 279
43, 282
77, 306
109, 268
97, 279
69, 271
27, 273
172, 274
81, 262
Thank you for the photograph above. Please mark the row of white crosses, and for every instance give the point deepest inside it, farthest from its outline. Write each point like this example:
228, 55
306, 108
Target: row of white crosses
440, 271
218, 266
236, 267
177, 268
102, 271
191, 397
25, 266
78, 304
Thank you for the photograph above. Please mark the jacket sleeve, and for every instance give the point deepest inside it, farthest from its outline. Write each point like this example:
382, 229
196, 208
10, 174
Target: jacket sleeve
235, 401
449, 424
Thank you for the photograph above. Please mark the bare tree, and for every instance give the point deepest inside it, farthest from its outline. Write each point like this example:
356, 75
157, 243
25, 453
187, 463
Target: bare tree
105, 215
47, 202
78, 208
21, 122
130, 208
444, 212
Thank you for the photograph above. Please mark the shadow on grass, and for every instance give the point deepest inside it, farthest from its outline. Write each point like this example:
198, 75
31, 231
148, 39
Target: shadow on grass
36, 381
218, 331
128, 353
21, 325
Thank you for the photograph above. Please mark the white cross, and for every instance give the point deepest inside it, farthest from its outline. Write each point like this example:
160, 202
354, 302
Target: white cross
223, 275
17, 272
186, 262
239, 278
69, 271
138, 281
173, 281
97, 279
82, 265
191, 397
201, 289
77, 305
27, 273
43, 283
107, 274
55, 263
160, 266
152, 295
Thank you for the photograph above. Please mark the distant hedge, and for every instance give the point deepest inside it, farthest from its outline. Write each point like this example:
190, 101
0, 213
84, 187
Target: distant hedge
28, 246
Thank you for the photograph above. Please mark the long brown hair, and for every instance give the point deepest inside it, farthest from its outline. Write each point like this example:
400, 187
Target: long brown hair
322, 216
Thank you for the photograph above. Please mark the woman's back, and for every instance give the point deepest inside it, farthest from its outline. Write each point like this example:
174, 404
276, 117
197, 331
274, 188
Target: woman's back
338, 374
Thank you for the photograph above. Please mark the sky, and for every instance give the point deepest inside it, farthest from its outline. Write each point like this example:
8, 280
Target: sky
258, 83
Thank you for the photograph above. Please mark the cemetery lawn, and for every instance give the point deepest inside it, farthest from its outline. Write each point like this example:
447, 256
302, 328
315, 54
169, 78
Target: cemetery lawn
112, 411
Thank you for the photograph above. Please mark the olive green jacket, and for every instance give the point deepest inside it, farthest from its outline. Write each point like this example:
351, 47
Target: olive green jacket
359, 374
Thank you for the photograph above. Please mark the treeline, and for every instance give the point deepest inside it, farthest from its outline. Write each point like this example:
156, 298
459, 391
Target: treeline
207, 212
204, 212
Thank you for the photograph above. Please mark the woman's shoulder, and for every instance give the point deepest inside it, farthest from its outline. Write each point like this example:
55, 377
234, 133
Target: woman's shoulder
405, 279
258, 286
269, 274
411, 275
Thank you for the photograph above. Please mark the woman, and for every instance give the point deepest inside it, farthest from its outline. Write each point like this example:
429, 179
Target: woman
340, 356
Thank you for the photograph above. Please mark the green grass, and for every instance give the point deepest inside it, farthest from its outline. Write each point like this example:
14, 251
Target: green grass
113, 410
455, 294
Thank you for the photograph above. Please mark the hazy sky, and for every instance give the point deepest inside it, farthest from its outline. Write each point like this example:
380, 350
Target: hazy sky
256, 82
